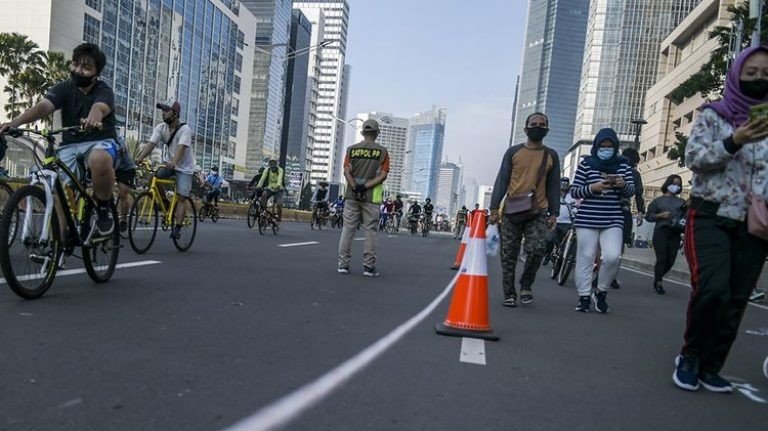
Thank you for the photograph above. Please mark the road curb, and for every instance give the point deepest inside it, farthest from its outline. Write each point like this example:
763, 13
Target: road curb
640, 265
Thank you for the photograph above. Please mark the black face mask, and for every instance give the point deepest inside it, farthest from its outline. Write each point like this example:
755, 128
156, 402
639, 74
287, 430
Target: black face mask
756, 89
274, 169
536, 134
169, 120
81, 81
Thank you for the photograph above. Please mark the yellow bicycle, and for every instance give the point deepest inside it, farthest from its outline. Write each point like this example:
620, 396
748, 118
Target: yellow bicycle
147, 209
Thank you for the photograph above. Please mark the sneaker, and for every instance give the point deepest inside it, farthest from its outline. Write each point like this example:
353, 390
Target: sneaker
510, 302
583, 305
343, 270
104, 223
599, 299
176, 232
686, 373
369, 271
713, 382
615, 284
526, 297
659, 288
757, 295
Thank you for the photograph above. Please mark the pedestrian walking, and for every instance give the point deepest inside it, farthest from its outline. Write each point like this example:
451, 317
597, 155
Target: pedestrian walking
601, 181
529, 177
461, 222
366, 166
727, 152
667, 212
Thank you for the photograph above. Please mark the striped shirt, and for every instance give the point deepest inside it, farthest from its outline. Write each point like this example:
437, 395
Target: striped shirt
600, 210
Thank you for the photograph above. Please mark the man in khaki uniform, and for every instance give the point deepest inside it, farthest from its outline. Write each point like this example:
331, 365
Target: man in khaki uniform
366, 166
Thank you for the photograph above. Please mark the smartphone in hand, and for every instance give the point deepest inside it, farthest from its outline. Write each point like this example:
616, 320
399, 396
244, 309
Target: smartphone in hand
758, 112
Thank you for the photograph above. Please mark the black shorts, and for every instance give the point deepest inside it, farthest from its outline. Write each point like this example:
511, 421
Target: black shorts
126, 176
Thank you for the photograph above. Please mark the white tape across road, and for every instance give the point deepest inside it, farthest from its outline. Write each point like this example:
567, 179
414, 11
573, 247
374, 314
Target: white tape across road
82, 270
299, 244
289, 407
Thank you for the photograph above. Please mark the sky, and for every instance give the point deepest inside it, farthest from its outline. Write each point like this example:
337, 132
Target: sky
408, 55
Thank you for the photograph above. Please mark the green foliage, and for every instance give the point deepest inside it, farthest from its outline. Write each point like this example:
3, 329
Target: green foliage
29, 71
678, 151
709, 80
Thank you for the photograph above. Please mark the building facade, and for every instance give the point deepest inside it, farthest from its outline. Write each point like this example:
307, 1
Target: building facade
620, 61
549, 79
328, 132
448, 186
394, 137
294, 154
682, 54
265, 120
425, 151
192, 51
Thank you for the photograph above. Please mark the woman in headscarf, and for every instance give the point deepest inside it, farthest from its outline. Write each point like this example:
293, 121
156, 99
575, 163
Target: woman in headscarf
601, 181
728, 154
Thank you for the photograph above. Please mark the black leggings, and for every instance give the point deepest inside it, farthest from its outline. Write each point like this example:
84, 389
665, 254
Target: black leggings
666, 245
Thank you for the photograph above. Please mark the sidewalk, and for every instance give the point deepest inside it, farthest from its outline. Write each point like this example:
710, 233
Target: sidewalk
643, 259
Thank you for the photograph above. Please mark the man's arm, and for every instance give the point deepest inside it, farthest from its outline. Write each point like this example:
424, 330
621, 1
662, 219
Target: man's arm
553, 186
98, 111
382, 176
639, 200
148, 147
41, 110
502, 179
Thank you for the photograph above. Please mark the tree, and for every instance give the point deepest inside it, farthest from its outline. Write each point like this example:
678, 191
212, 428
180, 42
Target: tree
17, 53
677, 152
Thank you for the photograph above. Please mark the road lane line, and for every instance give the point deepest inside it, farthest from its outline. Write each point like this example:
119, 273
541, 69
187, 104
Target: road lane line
362, 238
647, 274
298, 244
472, 351
82, 270
289, 407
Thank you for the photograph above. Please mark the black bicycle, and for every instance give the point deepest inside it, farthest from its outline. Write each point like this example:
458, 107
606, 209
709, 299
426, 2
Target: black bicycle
563, 256
35, 244
209, 211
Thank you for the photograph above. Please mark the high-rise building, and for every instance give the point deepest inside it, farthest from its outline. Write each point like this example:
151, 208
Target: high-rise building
293, 146
192, 51
621, 60
552, 57
449, 181
682, 53
265, 122
425, 151
471, 193
393, 135
331, 17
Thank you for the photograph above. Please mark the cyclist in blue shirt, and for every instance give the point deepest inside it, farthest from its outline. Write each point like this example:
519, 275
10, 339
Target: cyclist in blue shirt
214, 181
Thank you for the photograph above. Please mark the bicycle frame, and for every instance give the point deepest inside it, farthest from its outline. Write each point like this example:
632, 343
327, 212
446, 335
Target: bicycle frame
157, 199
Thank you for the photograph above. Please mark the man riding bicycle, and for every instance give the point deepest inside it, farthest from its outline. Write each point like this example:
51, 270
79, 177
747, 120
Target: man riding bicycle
214, 181
387, 211
273, 179
176, 140
398, 209
428, 210
256, 191
320, 199
86, 101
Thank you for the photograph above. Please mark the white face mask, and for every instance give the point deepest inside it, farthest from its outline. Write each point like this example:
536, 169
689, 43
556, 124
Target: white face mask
673, 188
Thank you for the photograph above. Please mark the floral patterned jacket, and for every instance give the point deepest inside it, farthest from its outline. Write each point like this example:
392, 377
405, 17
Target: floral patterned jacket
720, 175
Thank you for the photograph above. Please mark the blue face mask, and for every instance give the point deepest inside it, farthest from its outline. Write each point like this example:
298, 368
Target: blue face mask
604, 153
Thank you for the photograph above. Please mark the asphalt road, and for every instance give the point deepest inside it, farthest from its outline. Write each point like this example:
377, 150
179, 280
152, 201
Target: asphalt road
203, 339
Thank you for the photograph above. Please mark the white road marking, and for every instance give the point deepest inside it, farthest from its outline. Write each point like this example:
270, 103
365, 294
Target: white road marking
299, 244
82, 270
361, 238
472, 351
688, 285
289, 407
749, 391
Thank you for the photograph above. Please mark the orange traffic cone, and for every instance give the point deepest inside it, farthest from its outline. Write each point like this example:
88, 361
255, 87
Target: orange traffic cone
468, 312
463, 245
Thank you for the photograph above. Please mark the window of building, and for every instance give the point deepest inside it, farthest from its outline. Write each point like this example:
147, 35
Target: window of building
239, 62
91, 29
94, 4
233, 129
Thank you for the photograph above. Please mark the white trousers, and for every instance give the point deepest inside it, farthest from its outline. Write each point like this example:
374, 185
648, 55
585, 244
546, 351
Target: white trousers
587, 241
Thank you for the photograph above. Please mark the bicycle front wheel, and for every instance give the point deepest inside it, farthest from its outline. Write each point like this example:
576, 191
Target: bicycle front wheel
28, 261
188, 226
5, 194
142, 223
568, 261
215, 215
253, 214
99, 253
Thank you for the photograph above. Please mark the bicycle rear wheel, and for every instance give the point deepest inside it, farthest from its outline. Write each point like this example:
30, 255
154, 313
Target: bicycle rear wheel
142, 223
5, 194
99, 254
203, 213
215, 215
253, 213
29, 264
262, 222
188, 226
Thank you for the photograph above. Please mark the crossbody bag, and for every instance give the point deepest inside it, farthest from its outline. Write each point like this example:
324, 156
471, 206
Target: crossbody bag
522, 207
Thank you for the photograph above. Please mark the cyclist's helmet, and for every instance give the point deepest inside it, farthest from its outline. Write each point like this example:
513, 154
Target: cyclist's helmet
215, 168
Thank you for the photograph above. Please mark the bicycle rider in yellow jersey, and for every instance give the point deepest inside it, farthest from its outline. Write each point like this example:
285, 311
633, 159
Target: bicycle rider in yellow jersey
274, 180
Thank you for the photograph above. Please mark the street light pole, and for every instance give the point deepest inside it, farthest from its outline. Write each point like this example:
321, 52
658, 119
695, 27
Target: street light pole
638, 128
755, 12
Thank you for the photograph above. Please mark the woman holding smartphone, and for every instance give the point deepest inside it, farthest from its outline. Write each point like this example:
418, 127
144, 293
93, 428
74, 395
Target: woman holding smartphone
728, 155
666, 211
601, 181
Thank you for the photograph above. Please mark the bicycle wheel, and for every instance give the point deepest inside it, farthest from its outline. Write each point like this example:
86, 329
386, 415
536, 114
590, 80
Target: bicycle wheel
262, 222
313, 221
568, 260
99, 254
215, 215
142, 223
203, 213
556, 262
5, 194
29, 264
188, 226
253, 213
